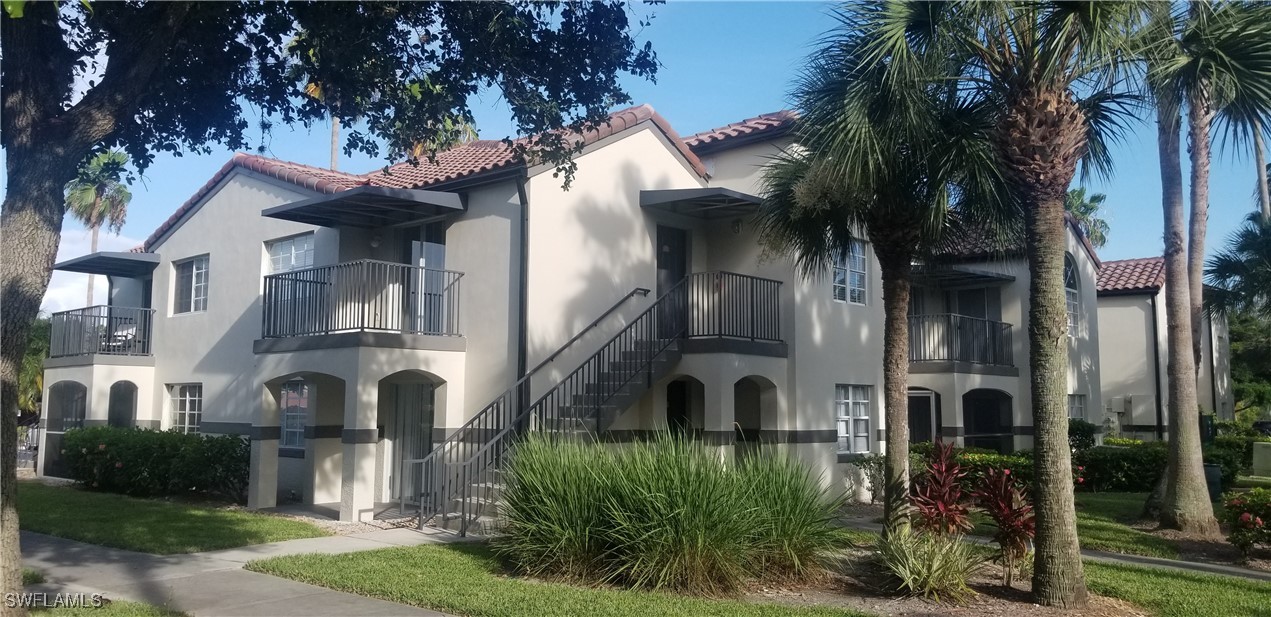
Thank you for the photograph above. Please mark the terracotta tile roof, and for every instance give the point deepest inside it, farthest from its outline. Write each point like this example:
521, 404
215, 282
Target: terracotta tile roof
967, 241
312, 178
463, 161
1132, 275
738, 133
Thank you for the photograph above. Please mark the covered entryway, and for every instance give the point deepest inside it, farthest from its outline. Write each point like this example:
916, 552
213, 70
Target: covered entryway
754, 410
924, 415
685, 403
408, 402
989, 420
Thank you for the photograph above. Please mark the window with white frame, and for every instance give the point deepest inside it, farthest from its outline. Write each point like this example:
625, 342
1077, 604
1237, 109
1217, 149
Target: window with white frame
295, 411
851, 410
851, 273
1077, 406
187, 407
291, 253
1072, 294
191, 285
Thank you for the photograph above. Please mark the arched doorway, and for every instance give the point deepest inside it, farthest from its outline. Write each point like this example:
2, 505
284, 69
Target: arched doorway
685, 405
989, 420
408, 403
754, 409
122, 412
67, 408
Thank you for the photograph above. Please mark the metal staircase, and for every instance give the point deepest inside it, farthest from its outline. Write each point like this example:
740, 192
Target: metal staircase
458, 483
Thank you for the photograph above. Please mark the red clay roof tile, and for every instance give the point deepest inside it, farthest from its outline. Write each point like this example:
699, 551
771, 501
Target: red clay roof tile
1131, 275
776, 124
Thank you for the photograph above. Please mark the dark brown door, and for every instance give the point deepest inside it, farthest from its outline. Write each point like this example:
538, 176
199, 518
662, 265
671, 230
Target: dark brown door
672, 261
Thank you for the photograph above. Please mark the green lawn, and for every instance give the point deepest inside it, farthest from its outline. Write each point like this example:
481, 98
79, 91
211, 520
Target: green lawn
466, 579
1177, 594
31, 576
147, 525
1103, 524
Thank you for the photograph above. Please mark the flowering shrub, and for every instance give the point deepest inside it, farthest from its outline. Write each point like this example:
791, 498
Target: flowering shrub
146, 463
937, 494
1001, 498
1247, 515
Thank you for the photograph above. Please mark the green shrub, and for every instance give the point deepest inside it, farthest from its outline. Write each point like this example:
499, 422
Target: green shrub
665, 514
871, 466
1242, 443
1122, 441
1248, 518
1228, 457
936, 567
1081, 434
1132, 469
979, 464
145, 463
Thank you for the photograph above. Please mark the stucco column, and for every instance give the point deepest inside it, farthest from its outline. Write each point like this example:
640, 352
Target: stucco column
262, 484
324, 450
717, 421
360, 435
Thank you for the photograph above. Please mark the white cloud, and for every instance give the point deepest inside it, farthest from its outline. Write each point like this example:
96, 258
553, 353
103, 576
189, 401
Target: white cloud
67, 290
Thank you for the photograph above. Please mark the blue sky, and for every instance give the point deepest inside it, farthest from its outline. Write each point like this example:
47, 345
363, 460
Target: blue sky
723, 61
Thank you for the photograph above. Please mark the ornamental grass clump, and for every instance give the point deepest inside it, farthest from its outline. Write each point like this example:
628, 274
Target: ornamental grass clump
933, 566
665, 514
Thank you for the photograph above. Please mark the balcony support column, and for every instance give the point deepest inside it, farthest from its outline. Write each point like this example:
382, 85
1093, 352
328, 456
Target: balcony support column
360, 438
262, 482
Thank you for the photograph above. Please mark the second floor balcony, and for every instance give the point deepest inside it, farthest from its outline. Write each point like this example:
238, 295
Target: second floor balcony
101, 330
361, 296
959, 338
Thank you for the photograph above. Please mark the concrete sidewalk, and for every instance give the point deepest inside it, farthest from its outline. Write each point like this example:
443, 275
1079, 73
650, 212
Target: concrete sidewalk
213, 584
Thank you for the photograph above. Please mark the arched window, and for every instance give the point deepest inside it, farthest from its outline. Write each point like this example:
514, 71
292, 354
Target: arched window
123, 404
1072, 293
68, 404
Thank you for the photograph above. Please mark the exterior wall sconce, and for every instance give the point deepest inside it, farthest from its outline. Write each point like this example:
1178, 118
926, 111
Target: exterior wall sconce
736, 226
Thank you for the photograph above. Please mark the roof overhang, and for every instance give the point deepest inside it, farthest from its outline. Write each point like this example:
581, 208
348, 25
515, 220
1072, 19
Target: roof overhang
952, 275
108, 263
702, 203
370, 207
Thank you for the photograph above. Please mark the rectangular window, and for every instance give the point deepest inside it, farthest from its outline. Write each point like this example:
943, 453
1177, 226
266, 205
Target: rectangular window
850, 273
1073, 306
291, 254
187, 407
1077, 406
295, 411
851, 410
191, 285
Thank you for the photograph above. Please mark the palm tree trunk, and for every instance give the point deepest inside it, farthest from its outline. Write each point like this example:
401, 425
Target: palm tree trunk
896, 271
1186, 504
335, 143
96, 229
1058, 577
1199, 117
1260, 157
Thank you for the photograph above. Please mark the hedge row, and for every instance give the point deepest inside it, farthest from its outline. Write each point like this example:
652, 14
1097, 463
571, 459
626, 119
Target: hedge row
146, 463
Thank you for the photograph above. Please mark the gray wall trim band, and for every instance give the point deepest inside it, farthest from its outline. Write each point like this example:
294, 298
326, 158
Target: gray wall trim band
780, 436
391, 340
265, 433
88, 423
969, 368
1022, 430
952, 431
360, 435
291, 452
106, 359
226, 428
324, 431
737, 346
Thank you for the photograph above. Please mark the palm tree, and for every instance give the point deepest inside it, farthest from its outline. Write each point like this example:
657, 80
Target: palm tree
1086, 210
882, 161
1214, 61
31, 373
1047, 67
98, 196
1239, 276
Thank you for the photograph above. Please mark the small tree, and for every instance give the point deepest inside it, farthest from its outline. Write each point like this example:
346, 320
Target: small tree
1002, 499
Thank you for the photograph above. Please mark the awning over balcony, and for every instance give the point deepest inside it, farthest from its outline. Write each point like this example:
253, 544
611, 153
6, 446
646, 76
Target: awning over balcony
112, 264
369, 206
703, 203
952, 275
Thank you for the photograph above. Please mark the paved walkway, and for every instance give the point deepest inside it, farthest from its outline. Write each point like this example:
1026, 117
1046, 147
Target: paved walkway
1119, 558
213, 584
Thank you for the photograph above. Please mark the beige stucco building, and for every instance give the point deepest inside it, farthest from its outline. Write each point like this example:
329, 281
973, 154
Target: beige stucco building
381, 338
1134, 353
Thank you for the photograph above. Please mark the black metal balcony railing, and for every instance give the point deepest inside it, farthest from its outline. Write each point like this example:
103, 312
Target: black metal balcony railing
729, 305
109, 330
361, 296
958, 338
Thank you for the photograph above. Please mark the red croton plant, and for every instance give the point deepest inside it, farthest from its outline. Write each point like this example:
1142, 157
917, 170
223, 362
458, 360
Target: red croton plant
937, 494
1001, 498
